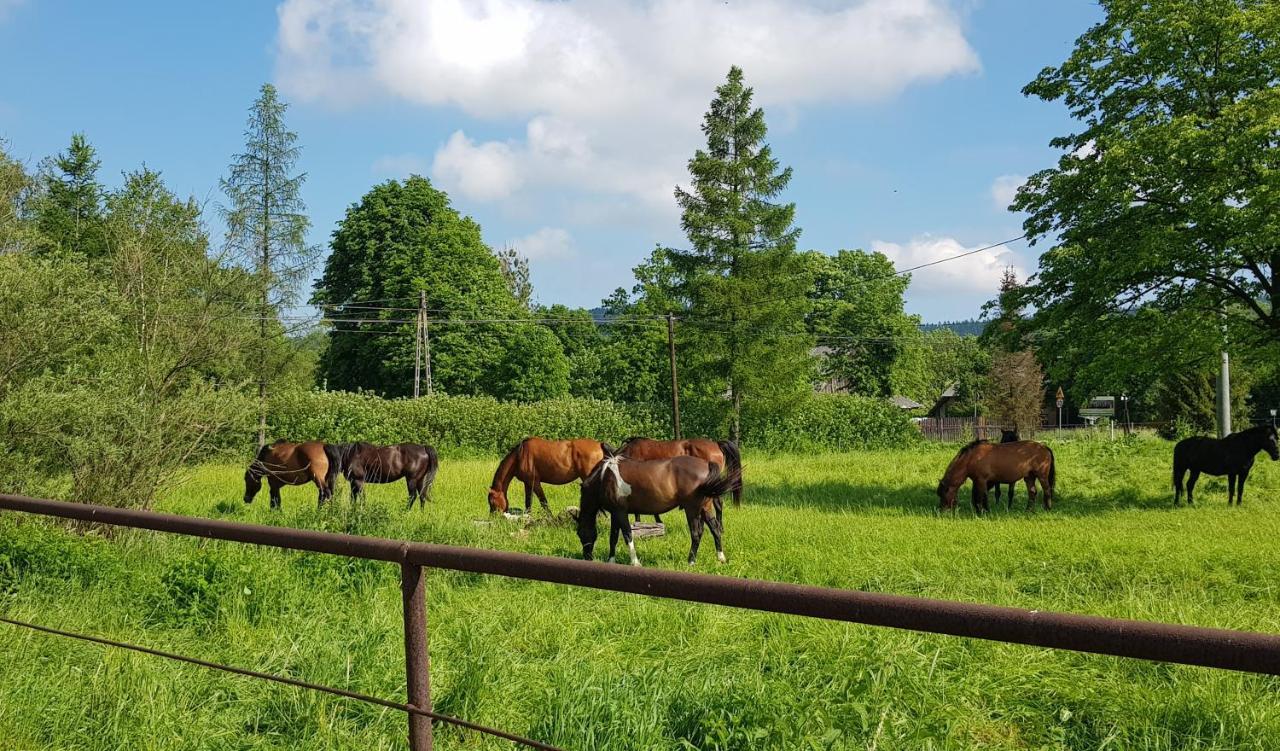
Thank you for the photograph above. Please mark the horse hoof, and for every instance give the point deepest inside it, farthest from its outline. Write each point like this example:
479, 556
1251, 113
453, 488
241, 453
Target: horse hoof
612, 559
636, 563
720, 557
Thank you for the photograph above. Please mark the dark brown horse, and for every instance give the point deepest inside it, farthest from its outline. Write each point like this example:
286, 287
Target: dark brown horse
534, 461
721, 453
620, 486
1006, 436
284, 463
414, 463
985, 463
1231, 456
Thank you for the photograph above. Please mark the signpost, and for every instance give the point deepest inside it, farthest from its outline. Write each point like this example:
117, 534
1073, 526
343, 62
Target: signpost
1273, 418
1061, 399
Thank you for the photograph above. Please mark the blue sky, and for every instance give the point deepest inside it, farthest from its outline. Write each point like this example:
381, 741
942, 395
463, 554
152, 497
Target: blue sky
562, 127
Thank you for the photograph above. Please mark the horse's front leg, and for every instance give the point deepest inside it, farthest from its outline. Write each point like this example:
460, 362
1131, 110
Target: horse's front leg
979, 498
273, 486
1231, 487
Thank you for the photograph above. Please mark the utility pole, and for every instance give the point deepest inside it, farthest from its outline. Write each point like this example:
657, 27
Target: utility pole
417, 346
675, 387
426, 338
1224, 396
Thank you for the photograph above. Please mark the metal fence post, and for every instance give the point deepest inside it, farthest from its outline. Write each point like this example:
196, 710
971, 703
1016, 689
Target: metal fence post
417, 657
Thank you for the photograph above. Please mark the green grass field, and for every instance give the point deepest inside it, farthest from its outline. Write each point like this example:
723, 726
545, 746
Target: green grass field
593, 670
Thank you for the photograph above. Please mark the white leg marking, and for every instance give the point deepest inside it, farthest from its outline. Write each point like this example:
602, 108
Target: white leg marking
720, 556
635, 559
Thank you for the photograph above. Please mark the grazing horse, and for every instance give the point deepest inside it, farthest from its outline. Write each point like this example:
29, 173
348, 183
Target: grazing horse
534, 461
1006, 436
1231, 456
416, 464
722, 453
984, 463
284, 463
620, 486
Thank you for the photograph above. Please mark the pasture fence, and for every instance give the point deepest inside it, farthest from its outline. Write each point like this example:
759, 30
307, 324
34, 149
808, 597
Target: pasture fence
1189, 645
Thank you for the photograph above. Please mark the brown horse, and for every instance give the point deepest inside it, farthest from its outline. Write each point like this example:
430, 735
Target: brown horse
416, 464
284, 463
986, 463
536, 460
620, 486
722, 453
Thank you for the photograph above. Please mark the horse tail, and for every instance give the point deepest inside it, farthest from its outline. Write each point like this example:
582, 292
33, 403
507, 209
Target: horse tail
428, 479
717, 483
333, 453
1053, 470
733, 463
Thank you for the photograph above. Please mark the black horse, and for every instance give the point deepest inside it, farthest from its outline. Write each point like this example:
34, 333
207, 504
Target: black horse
362, 462
1231, 456
1006, 436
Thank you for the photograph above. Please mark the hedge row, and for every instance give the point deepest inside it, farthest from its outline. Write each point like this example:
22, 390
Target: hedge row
483, 424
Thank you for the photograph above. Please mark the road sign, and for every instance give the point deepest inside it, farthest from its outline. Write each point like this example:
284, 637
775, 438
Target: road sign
1060, 395
1099, 406
1061, 402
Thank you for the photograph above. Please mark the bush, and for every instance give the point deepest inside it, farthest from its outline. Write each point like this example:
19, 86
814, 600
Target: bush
482, 424
471, 423
831, 422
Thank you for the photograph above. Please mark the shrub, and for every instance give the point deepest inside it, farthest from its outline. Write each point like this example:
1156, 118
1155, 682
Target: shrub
482, 424
474, 423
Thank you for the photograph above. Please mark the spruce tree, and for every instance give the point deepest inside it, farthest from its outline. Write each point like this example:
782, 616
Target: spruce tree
69, 213
745, 285
267, 226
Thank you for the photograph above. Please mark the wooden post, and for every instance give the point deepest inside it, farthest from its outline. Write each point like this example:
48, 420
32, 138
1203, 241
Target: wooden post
426, 339
675, 386
417, 657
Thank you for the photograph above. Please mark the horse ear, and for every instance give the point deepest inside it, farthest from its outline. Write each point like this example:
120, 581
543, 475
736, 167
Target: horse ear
609, 451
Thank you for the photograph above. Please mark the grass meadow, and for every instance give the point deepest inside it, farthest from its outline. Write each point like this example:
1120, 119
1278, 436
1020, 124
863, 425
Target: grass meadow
591, 670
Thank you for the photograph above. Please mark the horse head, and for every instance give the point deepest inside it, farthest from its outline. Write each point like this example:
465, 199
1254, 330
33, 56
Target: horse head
1009, 436
610, 451
497, 500
946, 494
1270, 445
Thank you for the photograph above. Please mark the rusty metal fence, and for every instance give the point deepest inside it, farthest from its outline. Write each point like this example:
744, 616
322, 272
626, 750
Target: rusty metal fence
1189, 645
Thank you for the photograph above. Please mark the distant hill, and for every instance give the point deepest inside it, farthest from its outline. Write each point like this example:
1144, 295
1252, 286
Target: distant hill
971, 327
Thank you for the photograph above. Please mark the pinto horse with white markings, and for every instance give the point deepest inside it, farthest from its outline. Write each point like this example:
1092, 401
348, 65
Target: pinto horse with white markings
722, 453
620, 486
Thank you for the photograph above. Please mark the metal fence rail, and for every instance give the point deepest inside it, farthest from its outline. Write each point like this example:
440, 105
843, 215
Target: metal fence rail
1189, 645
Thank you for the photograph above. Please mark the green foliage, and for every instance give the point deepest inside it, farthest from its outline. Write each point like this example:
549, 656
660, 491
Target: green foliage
405, 237
1165, 194
515, 269
470, 423
934, 361
1015, 391
858, 316
831, 422
68, 214
18, 192
190, 593
743, 278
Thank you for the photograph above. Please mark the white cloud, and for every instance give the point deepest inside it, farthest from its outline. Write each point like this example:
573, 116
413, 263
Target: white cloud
485, 172
975, 277
546, 244
611, 92
1004, 189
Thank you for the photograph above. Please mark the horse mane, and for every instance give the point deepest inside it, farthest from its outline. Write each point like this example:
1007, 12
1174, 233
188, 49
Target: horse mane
970, 446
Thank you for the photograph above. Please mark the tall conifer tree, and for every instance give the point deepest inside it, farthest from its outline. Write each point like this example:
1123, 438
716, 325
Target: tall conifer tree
743, 280
267, 225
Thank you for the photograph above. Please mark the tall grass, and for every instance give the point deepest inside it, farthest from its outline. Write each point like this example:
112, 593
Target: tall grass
593, 670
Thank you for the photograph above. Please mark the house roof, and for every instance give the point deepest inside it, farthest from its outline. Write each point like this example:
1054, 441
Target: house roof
903, 402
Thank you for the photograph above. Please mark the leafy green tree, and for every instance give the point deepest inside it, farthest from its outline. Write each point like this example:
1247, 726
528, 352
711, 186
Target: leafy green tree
402, 238
123, 372
18, 232
267, 227
1165, 195
69, 212
744, 282
934, 361
858, 316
